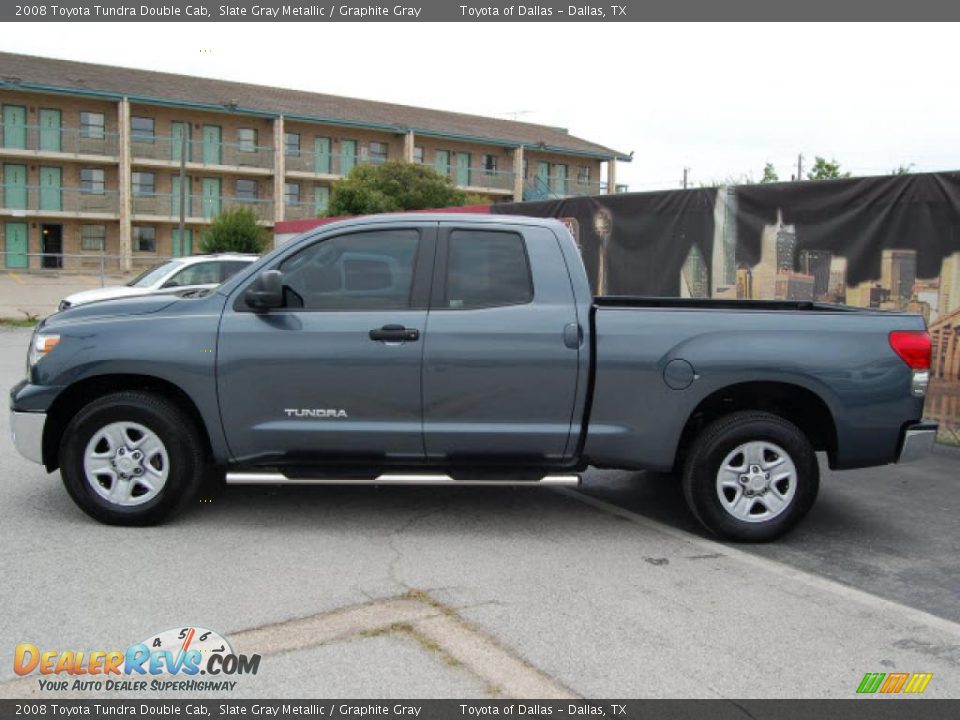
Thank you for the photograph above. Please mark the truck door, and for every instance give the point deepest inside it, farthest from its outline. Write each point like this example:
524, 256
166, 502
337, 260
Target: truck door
500, 369
334, 376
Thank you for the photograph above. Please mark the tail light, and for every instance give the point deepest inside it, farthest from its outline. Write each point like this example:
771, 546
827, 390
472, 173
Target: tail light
913, 347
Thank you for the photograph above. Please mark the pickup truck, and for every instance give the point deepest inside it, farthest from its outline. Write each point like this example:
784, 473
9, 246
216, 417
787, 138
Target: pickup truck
463, 350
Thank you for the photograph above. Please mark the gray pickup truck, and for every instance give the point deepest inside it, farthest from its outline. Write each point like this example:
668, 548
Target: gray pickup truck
463, 350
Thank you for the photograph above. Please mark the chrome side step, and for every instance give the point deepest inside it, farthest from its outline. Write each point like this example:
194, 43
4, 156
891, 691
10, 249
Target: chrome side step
275, 478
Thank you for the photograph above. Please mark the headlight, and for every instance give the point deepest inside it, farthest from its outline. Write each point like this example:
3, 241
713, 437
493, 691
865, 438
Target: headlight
41, 345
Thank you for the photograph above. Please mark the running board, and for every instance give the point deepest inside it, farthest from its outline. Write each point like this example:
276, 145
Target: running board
274, 478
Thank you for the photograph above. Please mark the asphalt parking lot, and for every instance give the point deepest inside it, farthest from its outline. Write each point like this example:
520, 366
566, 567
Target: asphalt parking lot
610, 591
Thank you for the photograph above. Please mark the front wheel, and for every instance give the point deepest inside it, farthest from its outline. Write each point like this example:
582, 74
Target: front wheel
131, 458
751, 476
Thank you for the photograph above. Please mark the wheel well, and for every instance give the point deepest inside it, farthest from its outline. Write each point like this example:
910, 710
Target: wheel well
804, 408
75, 397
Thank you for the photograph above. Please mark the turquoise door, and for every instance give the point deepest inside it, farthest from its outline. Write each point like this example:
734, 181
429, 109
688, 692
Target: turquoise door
211, 197
543, 174
175, 197
177, 132
185, 247
348, 156
463, 169
15, 187
51, 188
50, 135
441, 162
321, 155
14, 126
321, 199
211, 144
15, 244
560, 179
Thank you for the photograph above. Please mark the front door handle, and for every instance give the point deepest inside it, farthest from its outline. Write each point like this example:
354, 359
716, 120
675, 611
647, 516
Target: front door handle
395, 333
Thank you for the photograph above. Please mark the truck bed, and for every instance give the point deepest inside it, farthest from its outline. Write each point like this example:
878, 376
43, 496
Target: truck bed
639, 301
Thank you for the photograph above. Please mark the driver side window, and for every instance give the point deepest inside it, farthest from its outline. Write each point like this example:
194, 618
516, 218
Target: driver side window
360, 271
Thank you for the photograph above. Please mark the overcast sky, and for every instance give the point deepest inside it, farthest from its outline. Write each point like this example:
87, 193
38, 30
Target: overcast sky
719, 99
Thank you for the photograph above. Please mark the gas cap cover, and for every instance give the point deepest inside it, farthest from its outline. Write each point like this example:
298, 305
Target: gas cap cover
678, 374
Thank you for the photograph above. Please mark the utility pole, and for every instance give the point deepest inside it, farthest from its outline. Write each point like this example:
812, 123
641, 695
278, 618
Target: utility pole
686, 172
799, 167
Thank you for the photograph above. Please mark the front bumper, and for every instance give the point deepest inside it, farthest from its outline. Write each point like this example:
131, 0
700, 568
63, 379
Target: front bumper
917, 441
27, 431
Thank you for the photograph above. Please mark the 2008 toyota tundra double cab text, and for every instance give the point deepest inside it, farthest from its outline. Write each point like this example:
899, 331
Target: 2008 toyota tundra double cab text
463, 350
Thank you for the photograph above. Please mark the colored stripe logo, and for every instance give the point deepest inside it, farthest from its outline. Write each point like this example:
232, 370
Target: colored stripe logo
894, 683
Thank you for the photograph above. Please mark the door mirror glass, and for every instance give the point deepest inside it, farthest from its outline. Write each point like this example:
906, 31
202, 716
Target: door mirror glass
266, 292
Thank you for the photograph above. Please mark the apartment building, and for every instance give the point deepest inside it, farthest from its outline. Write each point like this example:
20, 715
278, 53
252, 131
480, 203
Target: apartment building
98, 160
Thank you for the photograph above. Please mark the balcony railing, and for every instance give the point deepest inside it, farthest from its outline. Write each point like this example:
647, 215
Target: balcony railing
477, 177
553, 186
325, 163
169, 148
197, 206
71, 141
58, 199
303, 210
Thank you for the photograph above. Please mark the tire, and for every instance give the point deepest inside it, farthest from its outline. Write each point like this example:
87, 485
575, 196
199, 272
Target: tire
102, 473
751, 476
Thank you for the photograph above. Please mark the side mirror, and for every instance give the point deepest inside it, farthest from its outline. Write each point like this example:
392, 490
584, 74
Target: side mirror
266, 291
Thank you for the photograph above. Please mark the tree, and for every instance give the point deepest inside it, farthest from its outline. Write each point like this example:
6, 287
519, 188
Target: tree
234, 230
393, 187
902, 169
769, 174
824, 169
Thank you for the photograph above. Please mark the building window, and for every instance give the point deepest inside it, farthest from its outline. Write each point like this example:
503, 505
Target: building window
246, 189
490, 164
418, 155
291, 144
142, 129
93, 237
92, 125
144, 183
247, 139
144, 238
378, 152
292, 193
526, 166
92, 181
583, 174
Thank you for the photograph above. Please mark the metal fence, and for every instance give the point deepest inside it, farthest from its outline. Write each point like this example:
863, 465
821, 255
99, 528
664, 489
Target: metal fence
100, 264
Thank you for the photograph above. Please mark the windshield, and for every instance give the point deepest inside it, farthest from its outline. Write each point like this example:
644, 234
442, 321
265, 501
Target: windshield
152, 274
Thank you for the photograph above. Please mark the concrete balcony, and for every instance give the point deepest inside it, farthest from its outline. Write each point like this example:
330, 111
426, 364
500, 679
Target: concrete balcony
165, 151
310, 165
58, 202
303, 211
33, 141
165, 207
478, 179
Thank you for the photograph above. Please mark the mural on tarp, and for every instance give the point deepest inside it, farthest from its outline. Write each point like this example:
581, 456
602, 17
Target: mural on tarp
891, 243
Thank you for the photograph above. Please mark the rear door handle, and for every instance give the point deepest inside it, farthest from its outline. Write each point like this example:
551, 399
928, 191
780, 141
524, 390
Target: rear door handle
395, 333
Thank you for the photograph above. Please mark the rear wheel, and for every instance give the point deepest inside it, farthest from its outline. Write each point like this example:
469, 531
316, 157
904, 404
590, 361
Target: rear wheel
131, 458
751, 476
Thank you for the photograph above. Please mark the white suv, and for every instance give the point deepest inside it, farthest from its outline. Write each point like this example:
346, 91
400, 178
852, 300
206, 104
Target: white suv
198, 272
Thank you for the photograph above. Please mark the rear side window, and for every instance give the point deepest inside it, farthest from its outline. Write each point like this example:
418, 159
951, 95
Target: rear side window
486, 269
362, 271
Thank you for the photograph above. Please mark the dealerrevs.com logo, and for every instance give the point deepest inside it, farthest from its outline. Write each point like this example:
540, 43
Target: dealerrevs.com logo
172, 660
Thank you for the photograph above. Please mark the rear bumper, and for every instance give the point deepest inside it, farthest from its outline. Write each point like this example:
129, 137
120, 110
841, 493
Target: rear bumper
917, 441
27, 431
